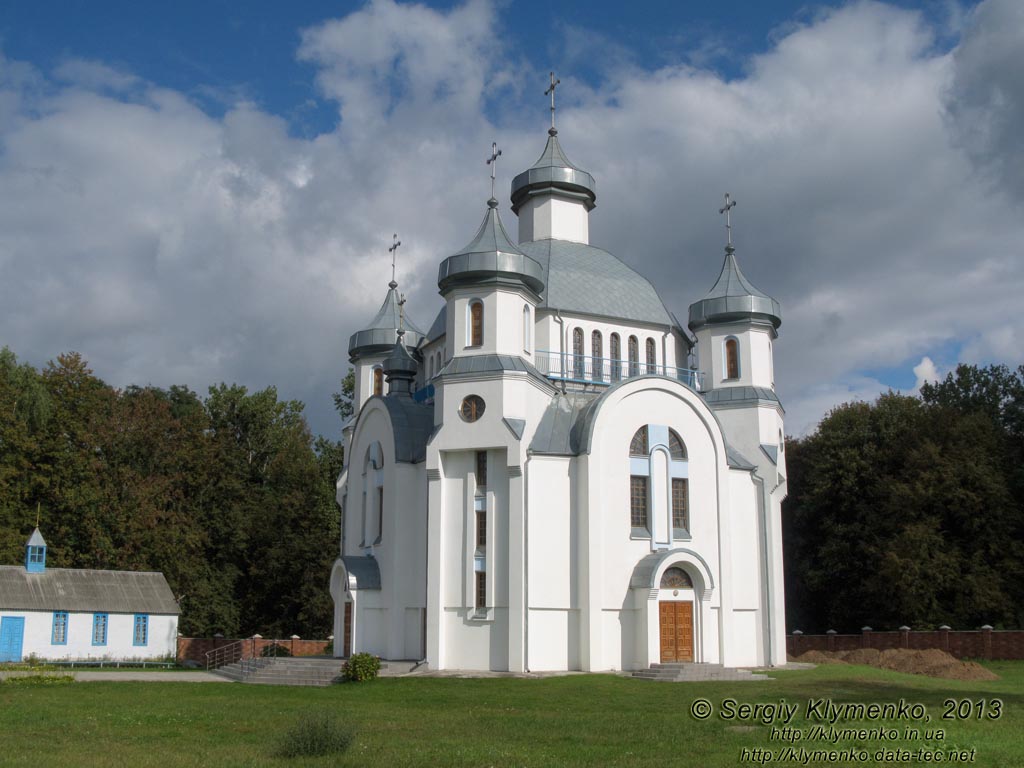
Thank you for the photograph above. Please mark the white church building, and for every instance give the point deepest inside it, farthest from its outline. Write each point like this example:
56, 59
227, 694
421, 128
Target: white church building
557, 475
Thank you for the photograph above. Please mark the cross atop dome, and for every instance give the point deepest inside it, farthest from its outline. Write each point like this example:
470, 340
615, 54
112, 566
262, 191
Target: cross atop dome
551, 90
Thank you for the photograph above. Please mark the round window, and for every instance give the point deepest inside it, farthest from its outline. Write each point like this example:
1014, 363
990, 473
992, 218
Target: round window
472, 408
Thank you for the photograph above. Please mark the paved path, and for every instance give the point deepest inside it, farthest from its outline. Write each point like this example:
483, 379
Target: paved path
86, 676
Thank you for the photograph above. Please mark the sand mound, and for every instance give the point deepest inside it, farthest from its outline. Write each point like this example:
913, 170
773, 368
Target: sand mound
930, 662
819, 657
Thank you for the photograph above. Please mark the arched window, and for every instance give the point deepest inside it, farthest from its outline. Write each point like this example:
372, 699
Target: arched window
437, 360
782, 442
638, 445
526, 328
732, 358
634, 356
373, 494
652, 357
578, 363
676, 578
597, 355
676, 449
639, 486
615, 352
378, 381
476, 323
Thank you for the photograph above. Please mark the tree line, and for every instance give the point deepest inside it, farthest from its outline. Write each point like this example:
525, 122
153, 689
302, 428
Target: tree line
910, 510
229, 495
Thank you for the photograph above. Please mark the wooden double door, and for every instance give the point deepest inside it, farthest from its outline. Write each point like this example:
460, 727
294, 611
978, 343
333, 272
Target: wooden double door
676, 617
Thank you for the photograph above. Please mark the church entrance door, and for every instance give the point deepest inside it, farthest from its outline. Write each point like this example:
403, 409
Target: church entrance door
676, 630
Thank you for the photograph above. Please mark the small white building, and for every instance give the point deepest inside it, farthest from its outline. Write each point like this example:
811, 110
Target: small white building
65, 614
557, 475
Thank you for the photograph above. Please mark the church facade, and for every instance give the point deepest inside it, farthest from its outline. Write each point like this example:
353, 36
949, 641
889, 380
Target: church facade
557, 475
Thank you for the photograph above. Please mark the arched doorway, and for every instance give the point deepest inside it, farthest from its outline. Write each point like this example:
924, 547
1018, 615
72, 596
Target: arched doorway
676, 621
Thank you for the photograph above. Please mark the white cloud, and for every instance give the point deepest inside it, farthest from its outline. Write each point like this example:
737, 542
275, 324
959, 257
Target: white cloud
169, 245
925, 371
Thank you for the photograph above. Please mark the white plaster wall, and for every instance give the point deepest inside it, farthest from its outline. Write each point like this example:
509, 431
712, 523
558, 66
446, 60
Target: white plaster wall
163, 637
549, 216
503, 320
745, 543
756, 368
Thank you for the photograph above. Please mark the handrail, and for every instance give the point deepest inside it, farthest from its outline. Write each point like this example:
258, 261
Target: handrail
603, 371
250, 653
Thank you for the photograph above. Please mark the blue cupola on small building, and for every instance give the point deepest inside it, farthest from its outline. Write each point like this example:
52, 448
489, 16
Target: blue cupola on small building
35, 553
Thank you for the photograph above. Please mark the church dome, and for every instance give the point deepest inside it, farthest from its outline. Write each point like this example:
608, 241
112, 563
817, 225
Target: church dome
379, 335
490, 258
400, 361
553, 173
732, 298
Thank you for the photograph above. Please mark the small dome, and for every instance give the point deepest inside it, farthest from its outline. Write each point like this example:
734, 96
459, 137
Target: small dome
733, 298
553, 173
400, 361
379, 335
490, 258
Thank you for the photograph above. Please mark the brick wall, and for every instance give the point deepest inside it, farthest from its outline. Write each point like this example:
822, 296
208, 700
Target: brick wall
195, 648
974, 644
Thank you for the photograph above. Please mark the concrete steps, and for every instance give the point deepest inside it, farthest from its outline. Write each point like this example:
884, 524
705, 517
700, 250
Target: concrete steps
310, 671
678, 673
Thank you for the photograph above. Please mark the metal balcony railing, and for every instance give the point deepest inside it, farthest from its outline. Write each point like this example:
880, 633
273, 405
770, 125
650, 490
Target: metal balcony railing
583, 369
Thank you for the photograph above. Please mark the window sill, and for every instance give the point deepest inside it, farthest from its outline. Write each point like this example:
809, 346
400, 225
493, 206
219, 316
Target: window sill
679, 534
639, 533
481, 615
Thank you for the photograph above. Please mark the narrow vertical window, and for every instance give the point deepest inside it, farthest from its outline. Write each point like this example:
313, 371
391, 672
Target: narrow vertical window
638, 501
597, 355
481, 469
680, 507
476, 324
378, 381
634, 356
526, 328
577, 353
99, 629
616, 355
732, 359
141, 634
60, 628
676, 449
380, 514
481, 590
481, 529
652, 357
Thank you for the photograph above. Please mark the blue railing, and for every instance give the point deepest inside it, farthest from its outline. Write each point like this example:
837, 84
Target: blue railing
583, 369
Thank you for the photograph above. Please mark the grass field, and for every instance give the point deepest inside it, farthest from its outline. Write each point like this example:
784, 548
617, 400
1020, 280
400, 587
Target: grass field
580, 720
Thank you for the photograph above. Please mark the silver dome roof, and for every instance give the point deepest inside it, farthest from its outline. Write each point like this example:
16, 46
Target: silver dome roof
733, 297
553, 172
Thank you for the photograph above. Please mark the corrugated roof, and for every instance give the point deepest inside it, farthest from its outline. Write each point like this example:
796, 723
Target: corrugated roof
85, 590
581, 278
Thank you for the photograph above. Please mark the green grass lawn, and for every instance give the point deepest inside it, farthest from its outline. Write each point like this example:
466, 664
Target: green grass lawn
593, 720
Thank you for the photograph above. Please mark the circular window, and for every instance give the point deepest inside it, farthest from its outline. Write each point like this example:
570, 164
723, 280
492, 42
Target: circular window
472, 408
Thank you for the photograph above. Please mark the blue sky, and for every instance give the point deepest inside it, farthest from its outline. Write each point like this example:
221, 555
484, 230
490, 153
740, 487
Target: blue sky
198, 192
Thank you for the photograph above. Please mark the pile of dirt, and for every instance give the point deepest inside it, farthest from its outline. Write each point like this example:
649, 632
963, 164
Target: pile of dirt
931, 662
819, 657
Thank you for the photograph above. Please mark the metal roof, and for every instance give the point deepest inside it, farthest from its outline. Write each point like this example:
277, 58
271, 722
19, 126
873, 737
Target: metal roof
553, 172
439, 327
585, 279
36, 539
490, 363
733, 297
736, 396
411, 424
363, 572
380, 334
490, 257
88, 591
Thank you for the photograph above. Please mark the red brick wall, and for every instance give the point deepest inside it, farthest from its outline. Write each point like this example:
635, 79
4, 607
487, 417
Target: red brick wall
975, 644
195, 648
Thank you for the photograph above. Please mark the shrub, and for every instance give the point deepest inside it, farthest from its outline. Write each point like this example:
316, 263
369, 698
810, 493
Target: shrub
275, 649
316, 735
360, 667
39, 679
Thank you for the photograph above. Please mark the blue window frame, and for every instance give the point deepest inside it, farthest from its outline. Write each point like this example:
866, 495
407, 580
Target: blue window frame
99, 629
60, 628
141, 634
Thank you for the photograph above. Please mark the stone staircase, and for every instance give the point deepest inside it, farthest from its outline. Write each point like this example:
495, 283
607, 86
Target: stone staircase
684, 672
299, 670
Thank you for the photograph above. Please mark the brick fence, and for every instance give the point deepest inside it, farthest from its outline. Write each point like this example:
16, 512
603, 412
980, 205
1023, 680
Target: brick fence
985, 643
195, 648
